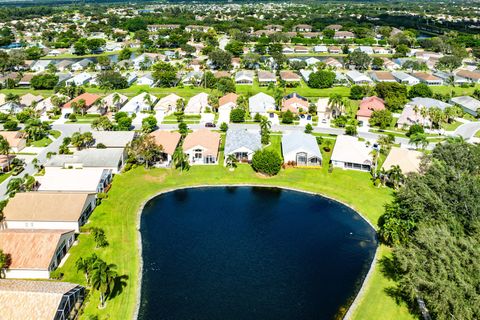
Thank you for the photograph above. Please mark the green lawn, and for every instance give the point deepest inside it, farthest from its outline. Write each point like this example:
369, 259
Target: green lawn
4, 176
117, 215
451, 126
41, 143
55, 133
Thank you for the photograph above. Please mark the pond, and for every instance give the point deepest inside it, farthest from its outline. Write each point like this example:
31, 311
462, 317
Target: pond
251, 253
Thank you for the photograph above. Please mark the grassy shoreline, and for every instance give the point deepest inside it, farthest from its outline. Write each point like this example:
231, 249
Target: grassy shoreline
118, 215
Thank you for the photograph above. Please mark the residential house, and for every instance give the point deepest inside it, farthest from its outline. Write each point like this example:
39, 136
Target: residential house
301, 149
294, 103
288, 50
334, 49
49, 211
146, 80
367, 106
389, 64
381, 50
305, 74
274, 28
366, 49
289, 76
428, 103
145, 60
30, 100
81, 65
112, 159
428, 78
34, 253
411, 115
202, 146
382, 76
408, 160
167, 104
25, 80
343, 35
244, 77
193, 78
16, 140
300, 49
114, 101
472, 76
450, 78
242, 143
88, 98
191, 28
261, 103
112, 139
303, 28
197, 104
225, 106
79, 79
357, 77
158, 27
40, 65
405, 78
351, 153
64, 65
468, 104
168, 140
11, 107
320, 49
142, 102
222, 74
335, 27
266, 77
86, 180
333, 63
312, 61
24, 299
236, 63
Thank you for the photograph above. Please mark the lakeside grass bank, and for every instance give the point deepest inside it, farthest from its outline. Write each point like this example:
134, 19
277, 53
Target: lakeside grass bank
117, 215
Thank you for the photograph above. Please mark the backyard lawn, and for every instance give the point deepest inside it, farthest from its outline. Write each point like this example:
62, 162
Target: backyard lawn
41, 143
451, 126
117, 215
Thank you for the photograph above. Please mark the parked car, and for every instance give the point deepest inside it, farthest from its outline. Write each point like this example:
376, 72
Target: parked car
210, 125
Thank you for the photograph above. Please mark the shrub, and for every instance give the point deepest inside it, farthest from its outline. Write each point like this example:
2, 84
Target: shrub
10, 125
351, 130
267, 162
72, 117
224, 127
414, 129
287, 117
237, 115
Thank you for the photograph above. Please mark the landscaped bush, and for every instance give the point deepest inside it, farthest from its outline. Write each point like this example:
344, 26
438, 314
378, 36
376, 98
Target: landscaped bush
237, 115
267, 162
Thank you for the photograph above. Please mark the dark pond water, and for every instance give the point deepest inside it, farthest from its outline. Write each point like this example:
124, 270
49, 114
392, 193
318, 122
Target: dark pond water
251, 253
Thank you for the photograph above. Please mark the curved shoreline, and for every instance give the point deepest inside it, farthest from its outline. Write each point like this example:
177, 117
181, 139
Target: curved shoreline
360, 292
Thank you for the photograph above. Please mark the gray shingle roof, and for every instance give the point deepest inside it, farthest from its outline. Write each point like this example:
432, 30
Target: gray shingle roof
299, 141
238, 138
113, 139
102, 158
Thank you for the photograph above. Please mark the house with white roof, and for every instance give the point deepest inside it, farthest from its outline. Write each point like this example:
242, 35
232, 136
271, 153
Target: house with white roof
261, 103
79, 79
112, 139
81, 65
428, 103
468, 104
405, 78
244, 77
89, 180
266, 77
40, 65
114, 101
242, 143
197, 104
312, 61
351, 153
142, 102
193, 78
320, 49
358, 78
146, 79
167, 104
301, 149
366, 49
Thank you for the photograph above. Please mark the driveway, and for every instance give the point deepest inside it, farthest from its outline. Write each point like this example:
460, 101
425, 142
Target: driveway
467, 130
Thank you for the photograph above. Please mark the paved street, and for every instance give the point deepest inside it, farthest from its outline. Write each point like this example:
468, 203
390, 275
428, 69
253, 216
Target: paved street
467, 130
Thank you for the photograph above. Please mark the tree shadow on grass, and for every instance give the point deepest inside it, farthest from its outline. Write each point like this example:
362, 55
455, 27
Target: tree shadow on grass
118, 286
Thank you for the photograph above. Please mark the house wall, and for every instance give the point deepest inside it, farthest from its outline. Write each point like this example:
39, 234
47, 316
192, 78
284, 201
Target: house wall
199, 161
51, 225
26, 274
348, 166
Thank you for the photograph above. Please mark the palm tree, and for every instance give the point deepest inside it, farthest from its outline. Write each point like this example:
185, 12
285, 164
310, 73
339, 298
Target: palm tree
86, 265
180, 159
103, 278
5, 260
419, 139
115, 102
231, 161
179, 105
148, 99
265, 126
395, 176
5, 150
336, 103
